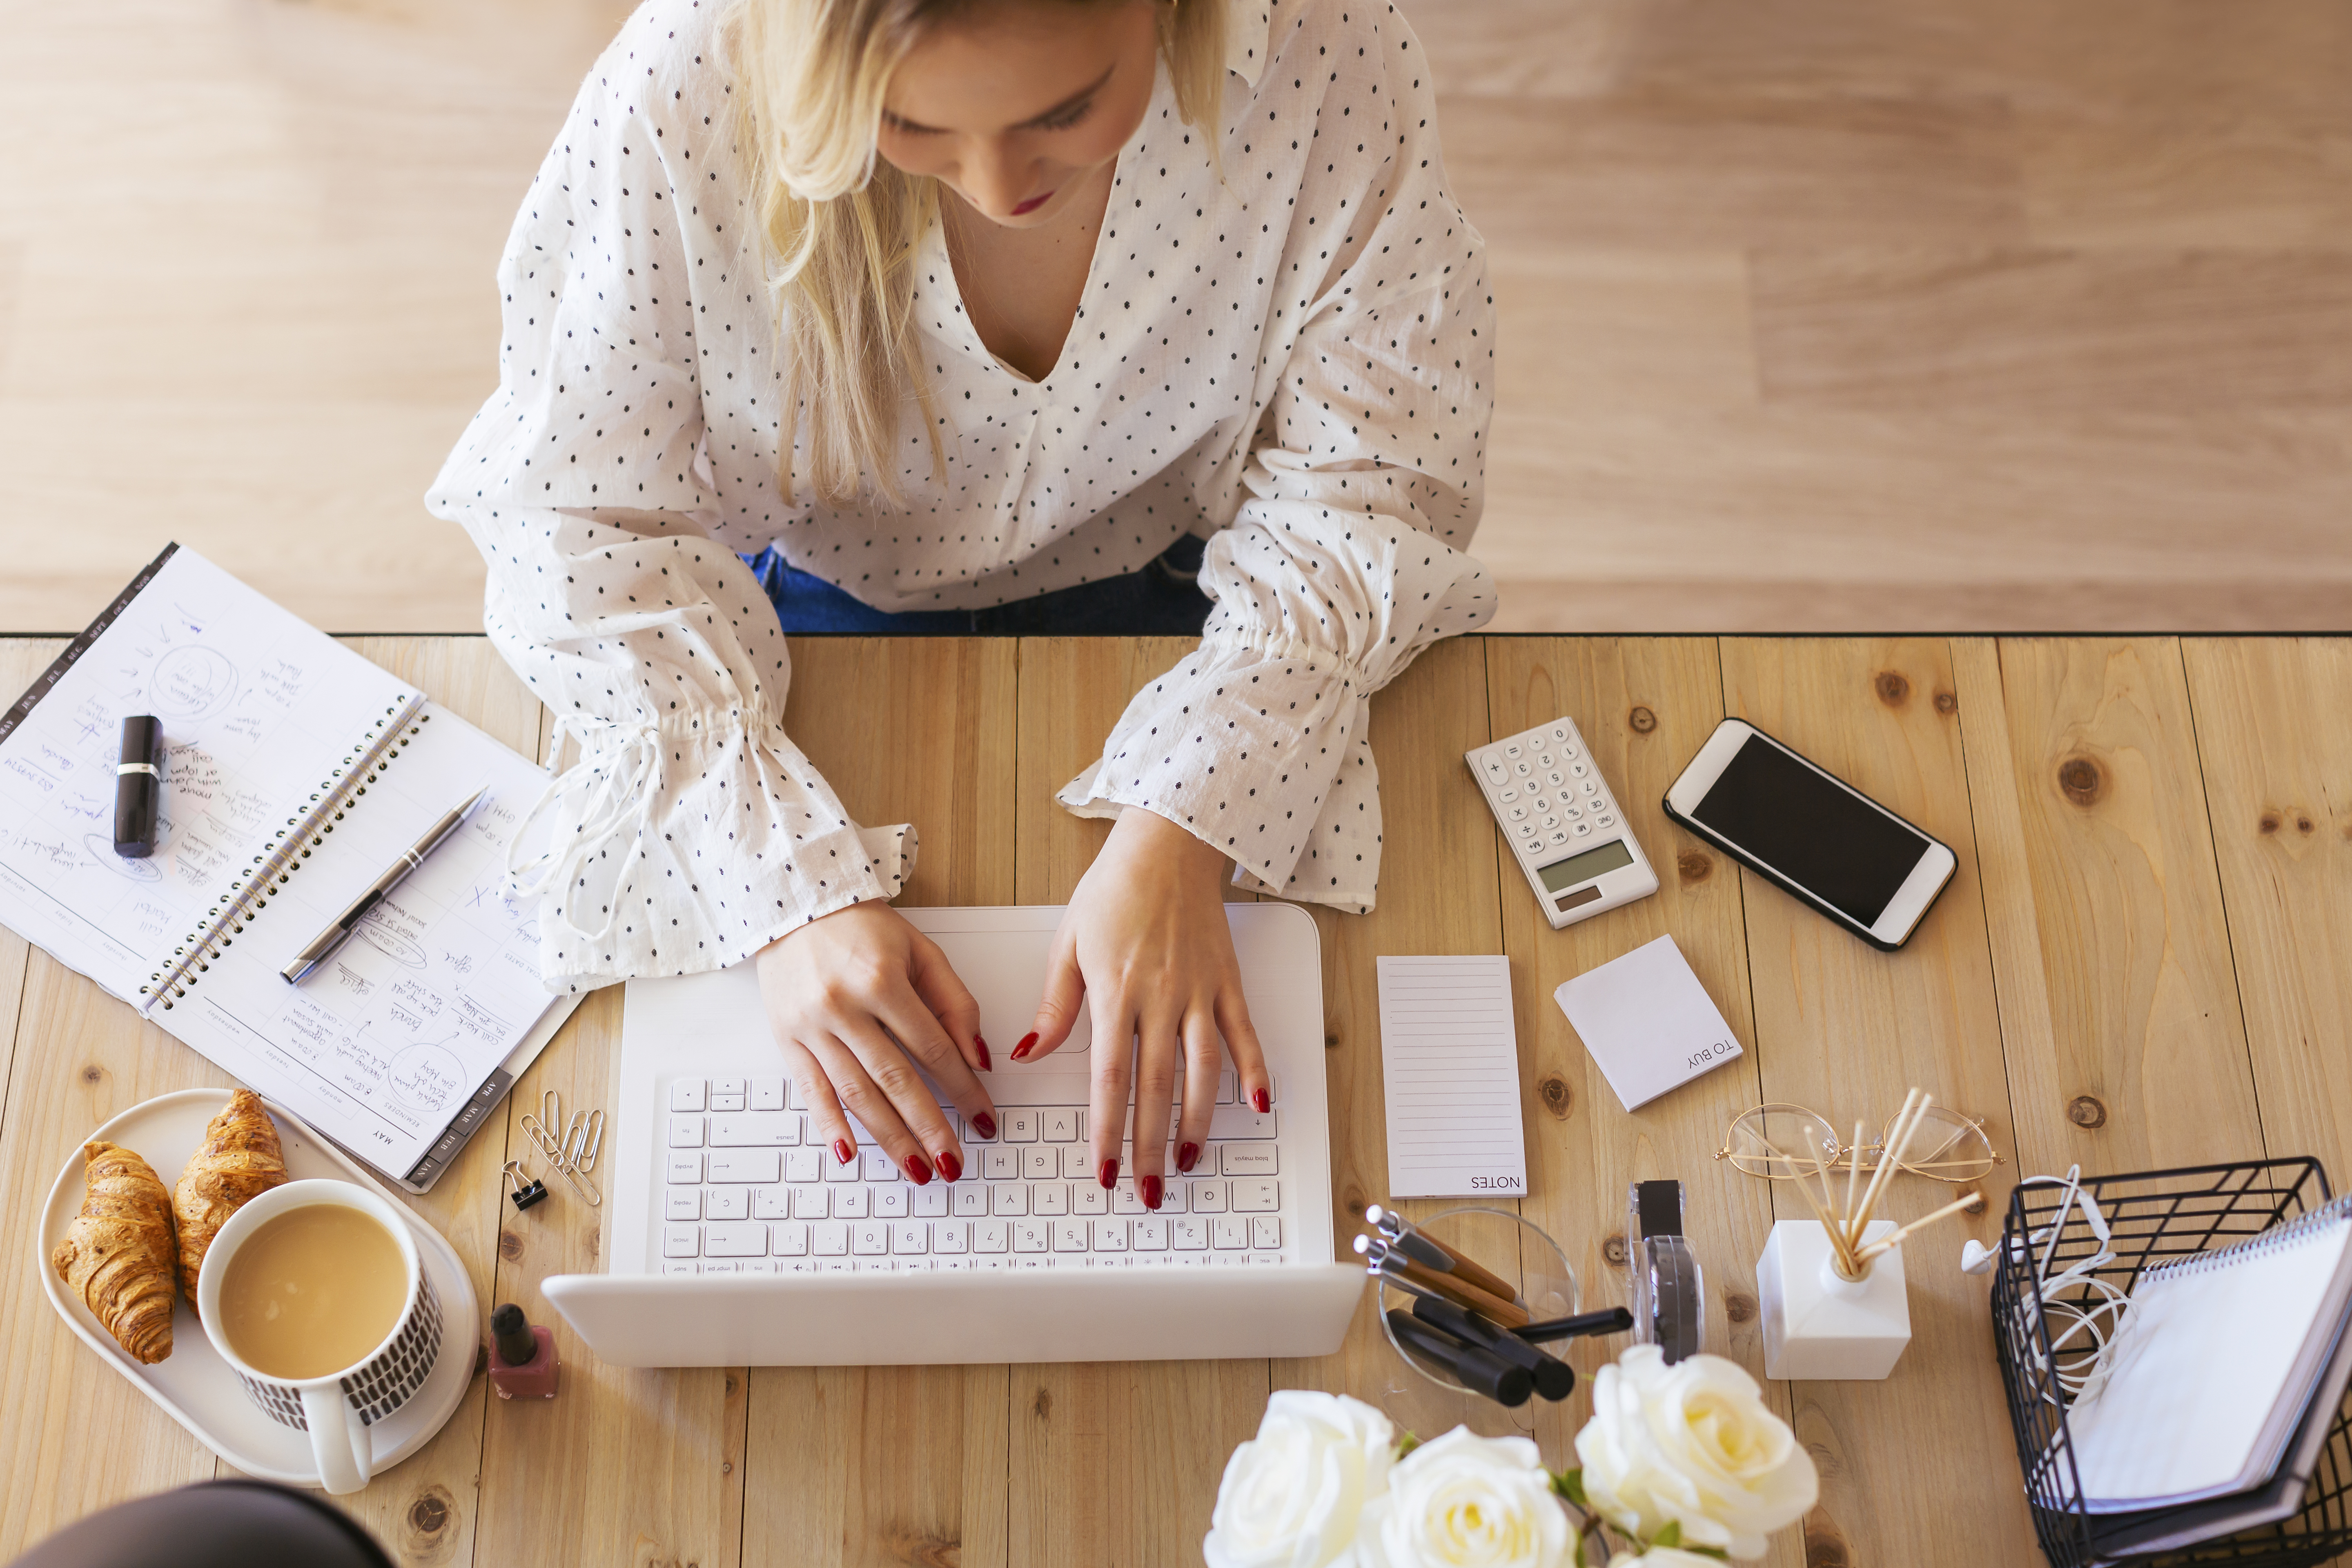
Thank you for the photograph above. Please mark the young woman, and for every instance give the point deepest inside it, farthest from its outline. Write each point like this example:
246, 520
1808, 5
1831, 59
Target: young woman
975, 314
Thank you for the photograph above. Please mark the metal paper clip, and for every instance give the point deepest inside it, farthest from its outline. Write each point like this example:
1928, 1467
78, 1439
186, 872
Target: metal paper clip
521, 1186
540, 1129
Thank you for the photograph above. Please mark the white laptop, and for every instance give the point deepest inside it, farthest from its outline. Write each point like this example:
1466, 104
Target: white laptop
738, 1240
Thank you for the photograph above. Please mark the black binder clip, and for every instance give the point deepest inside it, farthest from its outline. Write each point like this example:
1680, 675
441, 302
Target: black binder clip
524, 1193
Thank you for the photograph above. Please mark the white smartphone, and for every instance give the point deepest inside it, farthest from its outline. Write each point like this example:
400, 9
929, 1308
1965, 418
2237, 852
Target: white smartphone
1812, 834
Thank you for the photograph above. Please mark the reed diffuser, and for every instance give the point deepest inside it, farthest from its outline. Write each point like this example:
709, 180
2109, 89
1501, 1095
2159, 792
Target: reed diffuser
1835, 1304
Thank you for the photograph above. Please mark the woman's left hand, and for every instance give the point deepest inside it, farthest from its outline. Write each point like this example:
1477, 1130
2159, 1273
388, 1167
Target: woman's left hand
1144, 946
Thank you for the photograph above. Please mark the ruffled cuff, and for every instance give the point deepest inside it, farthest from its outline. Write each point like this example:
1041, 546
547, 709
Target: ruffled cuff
675, 854
1253, 743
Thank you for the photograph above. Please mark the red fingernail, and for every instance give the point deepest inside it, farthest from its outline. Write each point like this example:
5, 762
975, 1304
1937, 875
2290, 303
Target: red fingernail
1021, 1051
843, 1152
1110, 1173
918, 1171
950, 1166
1150, 1192
987, 1063
985, 1124
1263, 1101
1187, 1157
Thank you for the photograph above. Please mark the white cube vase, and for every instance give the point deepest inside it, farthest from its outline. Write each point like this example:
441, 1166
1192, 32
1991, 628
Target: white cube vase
1819, 1327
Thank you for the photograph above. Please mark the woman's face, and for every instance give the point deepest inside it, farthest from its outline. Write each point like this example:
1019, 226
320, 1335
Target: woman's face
1014, 104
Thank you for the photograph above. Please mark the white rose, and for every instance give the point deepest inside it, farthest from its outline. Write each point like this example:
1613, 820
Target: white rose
1694, 1445
1291, 1496
1466, 1501
1663, 1557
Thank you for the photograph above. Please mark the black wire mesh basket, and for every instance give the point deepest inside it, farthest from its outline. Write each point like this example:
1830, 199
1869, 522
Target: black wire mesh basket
2153, 1218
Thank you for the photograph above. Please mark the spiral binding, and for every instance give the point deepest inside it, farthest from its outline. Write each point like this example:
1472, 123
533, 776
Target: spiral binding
275, 866
2277, 1236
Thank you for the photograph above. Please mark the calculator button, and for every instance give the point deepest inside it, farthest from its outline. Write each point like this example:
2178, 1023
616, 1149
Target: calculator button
1549, 823
1514, 751
1559, 732
1557, 779
1527, 830
1591, 786
1604, 820
1538, 803
1523, 770
1578, 770
1492, 768
1518, 813
1544, 760
1507, 794
1562, 837
1583, 829
1572, 810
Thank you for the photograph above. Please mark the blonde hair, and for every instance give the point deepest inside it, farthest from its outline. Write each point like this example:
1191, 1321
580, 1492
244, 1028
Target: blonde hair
841, 224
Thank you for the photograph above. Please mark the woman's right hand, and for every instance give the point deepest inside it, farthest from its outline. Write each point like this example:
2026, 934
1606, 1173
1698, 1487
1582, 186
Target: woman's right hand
852, 997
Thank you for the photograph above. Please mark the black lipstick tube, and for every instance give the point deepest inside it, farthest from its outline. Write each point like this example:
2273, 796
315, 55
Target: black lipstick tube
1554, 1378
138, 786
1480, 1372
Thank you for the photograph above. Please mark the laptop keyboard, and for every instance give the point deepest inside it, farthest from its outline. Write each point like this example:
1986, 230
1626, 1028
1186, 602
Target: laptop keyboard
748, 1186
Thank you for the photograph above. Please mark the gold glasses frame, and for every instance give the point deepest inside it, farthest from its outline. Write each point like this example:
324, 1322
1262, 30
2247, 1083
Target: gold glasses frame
1958, 1150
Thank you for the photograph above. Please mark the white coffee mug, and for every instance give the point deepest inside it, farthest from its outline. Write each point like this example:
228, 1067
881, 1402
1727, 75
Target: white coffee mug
336, 1409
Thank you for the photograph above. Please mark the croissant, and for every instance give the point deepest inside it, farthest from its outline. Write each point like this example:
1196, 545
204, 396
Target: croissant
238, 1161
117, 1253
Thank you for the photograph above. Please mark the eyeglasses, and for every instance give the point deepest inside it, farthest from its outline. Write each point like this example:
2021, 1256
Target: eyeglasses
1780, 1142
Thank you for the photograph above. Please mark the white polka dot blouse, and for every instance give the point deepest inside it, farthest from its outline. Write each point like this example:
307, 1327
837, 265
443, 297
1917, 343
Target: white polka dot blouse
1287, 348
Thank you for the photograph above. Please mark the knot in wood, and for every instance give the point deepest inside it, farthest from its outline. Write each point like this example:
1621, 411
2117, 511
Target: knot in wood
1042, 1406
1612, 1251
510, 1246
2303, 824
1641, 721
1825, 1544
2085, 1111
2268, 823
429, 1514
1738, 1305
93, 1073
1331, 1039
1947, 704
2080, 780
1693, 867
1893, 688
1557, 1097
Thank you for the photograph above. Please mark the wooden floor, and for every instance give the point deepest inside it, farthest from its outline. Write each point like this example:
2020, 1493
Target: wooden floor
1817, 314
2140, 963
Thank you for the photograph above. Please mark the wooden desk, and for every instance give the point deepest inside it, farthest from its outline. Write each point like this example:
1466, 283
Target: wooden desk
2140, 963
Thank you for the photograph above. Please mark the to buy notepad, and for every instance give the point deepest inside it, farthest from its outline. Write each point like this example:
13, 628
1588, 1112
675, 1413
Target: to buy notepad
1649, 1024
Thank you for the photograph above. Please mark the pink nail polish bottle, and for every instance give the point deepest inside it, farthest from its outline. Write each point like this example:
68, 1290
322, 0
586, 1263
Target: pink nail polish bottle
522, 1357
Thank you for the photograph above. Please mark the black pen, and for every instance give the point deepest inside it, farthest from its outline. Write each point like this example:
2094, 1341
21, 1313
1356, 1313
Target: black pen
1554, 1378
324, 944
1608, 1320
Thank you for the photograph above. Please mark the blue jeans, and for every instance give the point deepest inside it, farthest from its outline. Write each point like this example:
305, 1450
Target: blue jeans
1161, 599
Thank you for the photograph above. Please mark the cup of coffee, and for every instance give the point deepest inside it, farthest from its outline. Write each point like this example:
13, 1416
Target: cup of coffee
314, 1295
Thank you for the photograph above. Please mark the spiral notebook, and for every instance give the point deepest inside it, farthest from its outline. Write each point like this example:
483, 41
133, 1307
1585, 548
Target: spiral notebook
2214, 1366
295, 772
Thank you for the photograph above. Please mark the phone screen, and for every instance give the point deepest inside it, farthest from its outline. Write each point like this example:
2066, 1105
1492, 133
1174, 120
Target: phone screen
1819, 835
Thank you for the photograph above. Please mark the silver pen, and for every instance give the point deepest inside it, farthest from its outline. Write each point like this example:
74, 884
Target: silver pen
323, 946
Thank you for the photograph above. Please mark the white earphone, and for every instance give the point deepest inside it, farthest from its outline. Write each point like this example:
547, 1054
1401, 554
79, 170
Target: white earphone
2087, 1327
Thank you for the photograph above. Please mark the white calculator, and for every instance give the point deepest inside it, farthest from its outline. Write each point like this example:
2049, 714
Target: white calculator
1571, 840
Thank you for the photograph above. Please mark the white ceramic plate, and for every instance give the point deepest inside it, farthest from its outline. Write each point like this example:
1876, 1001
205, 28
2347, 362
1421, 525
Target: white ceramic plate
192, 1385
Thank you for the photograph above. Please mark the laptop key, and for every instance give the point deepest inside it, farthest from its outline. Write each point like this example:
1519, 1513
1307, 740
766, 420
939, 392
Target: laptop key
1228, 1232
1208, 1197
1257, 1196
754, 1167
683, 1204
1059, 1124
805, 1164
685, 1167
1265, 1230
1110, 1235
768, 1094
829, 1237
681, 1241
686, 1094
1070, 1236
992, 1235
1012, 1198
726, 1102
869, 1239
789, 1239
931, 1202
810, 1201
738, 1240
851, 1202
755, 1129
686, 1132
874, 1166
1124, 1198
1229, 1122
1031, 1235
951, 1236
1189, 1235
1247, 1159
1049, 1198
774, 1203
726, 1203
1151, 1235
890, 1202
1041, 1163
1019, 1126
999, 1164
1088, 1198
908, 1237
970, 1202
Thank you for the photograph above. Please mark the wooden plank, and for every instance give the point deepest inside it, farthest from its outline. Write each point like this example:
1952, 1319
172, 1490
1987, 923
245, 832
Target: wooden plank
887, 1464
2145, 1065
1920, 1459
1109, 1462
2277, 761
1644, 706
1437, 895
22, 660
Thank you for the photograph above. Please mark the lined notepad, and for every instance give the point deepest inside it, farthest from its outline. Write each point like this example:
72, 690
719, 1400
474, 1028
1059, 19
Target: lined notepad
1450, 1059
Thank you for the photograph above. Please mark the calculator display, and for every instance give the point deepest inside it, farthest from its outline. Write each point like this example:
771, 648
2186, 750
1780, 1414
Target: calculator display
1610, 856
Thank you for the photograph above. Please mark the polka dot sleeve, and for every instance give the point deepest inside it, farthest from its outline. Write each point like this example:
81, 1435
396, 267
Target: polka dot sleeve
692, 831
1347, 557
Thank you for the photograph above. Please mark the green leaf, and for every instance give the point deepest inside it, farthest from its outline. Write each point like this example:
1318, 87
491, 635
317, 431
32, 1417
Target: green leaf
1569, 1484
1407, 1444
1717, 1553
1670, 1536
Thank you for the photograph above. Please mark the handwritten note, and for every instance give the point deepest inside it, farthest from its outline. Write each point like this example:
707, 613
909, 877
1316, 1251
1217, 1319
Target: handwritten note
382, 1046
1450, 1063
